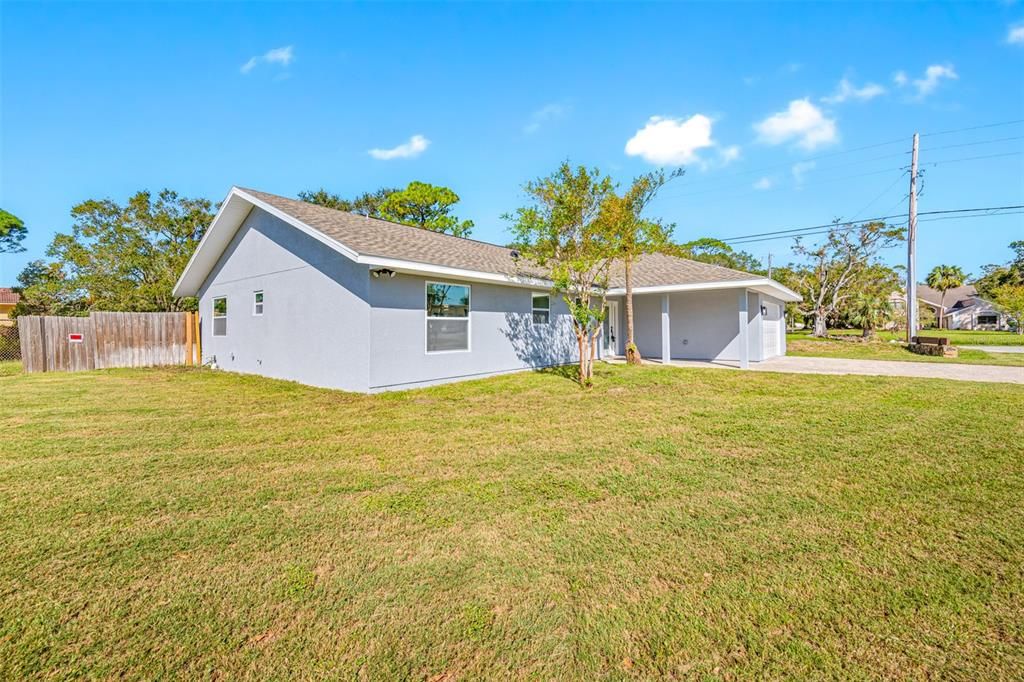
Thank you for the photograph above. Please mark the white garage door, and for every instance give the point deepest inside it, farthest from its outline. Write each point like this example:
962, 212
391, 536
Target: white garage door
770, 327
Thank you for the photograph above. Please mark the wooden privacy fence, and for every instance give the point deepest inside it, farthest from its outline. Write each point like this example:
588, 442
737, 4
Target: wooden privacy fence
71, 344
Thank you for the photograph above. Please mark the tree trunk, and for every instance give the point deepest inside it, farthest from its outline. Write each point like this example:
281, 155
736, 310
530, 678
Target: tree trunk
632, 353
583, 358
820, 329
942, 308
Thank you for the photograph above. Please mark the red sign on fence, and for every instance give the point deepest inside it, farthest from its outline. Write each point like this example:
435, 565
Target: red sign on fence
76, 338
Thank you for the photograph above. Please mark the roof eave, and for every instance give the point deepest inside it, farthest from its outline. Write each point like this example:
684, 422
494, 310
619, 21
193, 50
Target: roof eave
762, 284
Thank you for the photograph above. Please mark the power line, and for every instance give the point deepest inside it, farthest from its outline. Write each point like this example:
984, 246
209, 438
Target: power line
834, 225
978, 127
974, 144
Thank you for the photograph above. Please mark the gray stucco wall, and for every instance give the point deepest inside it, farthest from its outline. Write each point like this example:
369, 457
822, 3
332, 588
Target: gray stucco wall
503, 337
704, 325
316, 320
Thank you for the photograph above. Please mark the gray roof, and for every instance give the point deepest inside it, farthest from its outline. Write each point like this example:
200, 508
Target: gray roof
960, 297
384, 239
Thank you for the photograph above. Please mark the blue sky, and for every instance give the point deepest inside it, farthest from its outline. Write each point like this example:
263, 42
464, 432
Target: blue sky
767, 106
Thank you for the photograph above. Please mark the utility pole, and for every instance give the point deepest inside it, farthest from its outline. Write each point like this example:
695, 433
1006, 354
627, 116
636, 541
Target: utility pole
769, 266
912, 249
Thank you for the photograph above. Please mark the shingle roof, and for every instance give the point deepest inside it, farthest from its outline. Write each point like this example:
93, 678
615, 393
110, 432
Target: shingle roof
8, 296
374, 237
959, 296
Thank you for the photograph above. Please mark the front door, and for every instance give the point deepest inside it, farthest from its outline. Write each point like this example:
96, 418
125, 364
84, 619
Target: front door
611, 330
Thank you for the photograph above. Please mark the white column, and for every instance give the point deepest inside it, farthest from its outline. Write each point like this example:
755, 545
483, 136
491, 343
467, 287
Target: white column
744, 349
666, 338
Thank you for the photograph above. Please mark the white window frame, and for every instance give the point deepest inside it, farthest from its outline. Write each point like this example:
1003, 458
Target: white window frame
534, 309
427, 318
214, 316
259, 312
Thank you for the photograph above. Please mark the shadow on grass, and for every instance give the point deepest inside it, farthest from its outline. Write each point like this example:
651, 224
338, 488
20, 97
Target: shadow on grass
570, 372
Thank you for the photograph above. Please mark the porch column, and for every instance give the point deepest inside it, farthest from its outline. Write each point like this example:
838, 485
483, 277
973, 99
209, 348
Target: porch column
744, 348
666, 345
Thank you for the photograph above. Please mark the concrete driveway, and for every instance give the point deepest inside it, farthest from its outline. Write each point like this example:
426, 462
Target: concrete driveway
886, 368
997, 349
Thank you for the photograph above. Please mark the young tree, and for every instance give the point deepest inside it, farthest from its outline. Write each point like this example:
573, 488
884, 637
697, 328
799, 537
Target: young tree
1010, 299
427, 206
943, 278
870, 308
634, 236
565, 232
12, 233
833, 267
125, 258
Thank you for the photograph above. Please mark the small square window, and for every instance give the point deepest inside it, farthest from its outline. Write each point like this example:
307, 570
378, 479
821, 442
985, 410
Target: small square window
541, 308
257, 303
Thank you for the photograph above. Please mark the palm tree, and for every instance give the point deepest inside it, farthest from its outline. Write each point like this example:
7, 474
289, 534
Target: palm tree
870, 311
943, 278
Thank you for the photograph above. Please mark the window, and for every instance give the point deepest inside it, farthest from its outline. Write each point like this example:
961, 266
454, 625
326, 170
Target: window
220, 316
257, 303
541, 308
988, 319
447, 317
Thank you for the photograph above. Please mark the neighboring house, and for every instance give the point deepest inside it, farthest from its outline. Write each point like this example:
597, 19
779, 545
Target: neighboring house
8, 299
963, 308
296, 291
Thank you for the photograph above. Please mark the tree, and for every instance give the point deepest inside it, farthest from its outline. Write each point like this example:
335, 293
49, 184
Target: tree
943, 278
634, 236
122, 258
366, 204
997, 275
870, 308
833, 267
565, 232
12, 233
427, 206
45, 290
717, 252
1010, 299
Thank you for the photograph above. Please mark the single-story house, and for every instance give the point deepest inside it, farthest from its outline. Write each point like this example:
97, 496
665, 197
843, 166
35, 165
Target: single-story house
961, 308
8, 299
292, 290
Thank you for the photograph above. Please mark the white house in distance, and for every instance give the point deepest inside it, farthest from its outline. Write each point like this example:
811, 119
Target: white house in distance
296, 291
960, 308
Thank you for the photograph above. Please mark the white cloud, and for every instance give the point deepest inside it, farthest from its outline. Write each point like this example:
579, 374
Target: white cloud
847, 90
278, 55
671, 140
546, 114
727, 155
764, 183
802, 122
1015, 35
931, 79
416, 145
800, 171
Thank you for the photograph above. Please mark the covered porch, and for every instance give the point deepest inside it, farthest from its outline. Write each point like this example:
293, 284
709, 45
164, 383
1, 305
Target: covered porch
726, 322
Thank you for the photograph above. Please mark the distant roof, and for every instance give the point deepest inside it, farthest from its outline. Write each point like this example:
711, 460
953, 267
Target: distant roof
383, 243
9, 296
960, 297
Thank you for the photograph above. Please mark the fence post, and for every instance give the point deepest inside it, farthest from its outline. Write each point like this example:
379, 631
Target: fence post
199, 341
188, 339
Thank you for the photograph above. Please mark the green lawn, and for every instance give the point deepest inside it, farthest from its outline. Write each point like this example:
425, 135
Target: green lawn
803, 344
678, 523
956, 337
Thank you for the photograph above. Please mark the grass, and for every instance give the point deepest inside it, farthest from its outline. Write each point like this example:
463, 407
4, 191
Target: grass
670, 522
803, 344
957, 337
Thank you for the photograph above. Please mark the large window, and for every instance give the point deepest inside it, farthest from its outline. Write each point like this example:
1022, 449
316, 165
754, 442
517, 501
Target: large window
220, 316
541, 308
447, 317
988, 319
